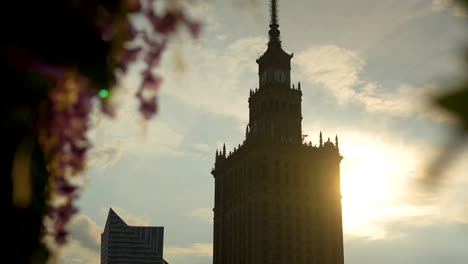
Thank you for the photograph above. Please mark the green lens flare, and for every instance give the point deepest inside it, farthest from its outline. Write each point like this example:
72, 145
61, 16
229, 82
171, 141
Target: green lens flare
103, 93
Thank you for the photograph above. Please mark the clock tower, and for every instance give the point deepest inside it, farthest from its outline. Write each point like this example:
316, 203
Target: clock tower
277, 198
275, 108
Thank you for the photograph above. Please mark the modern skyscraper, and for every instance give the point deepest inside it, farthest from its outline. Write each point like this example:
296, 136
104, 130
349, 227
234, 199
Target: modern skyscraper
277, 198
123, 244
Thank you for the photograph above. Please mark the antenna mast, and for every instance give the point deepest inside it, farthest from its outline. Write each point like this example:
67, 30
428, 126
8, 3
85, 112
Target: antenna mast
274, 32
274, 12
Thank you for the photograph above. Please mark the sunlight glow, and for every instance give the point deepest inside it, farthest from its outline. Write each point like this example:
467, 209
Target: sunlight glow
373, 174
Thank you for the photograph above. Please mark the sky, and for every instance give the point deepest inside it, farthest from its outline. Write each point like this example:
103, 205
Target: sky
367, 69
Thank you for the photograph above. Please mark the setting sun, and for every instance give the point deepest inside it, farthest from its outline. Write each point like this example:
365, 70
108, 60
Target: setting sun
367, 179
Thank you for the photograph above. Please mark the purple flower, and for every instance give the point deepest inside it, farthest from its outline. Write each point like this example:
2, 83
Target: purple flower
61, 237
133, 5
63, 132
148, 108
126, 57
150, 81
193, 27
167, 23
63, 187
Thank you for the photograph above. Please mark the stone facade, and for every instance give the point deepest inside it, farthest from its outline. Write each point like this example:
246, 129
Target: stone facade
277, 198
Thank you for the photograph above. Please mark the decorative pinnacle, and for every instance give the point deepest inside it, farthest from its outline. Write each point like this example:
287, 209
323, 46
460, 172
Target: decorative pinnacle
321, 139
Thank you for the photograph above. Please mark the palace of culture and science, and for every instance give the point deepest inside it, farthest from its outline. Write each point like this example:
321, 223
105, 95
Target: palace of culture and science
277, 198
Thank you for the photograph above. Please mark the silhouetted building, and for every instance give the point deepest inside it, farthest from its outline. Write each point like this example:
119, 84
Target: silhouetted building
123, 244
277, 198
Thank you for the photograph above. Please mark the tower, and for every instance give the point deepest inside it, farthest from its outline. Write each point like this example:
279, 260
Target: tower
277, 198
121, 243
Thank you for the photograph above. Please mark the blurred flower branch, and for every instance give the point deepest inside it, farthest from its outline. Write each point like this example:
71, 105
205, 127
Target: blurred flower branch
455, 103
59, 58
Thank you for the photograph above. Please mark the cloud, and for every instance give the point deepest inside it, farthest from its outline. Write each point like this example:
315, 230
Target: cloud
203, 11
333, 67
214, 88
339, 71
195, 249
157, 137
204, 214
105, 156
221, 37
74, 253
206, 87
374, 220
202, 148
440, 242
128, 134
452, 6
451, 193
86, 232
85, 242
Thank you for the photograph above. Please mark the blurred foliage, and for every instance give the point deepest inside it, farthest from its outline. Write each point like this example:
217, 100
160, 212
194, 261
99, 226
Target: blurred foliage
455, 103
58, 59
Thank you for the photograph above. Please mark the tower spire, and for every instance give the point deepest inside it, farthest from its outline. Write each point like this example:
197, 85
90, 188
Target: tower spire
274, 31
273, 12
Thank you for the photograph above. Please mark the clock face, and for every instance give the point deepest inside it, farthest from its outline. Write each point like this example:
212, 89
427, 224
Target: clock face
280, 76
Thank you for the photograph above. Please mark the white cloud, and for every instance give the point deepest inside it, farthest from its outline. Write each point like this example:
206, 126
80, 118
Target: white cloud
203, 214
201, 147
339, 71
85, 242
218, 81
157, 137
128, 134
221, 37
450, 190
86, 232
104, 156
203, 11
372, 221
335, 68
404, 101
74, 253
451, 6
195, 249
